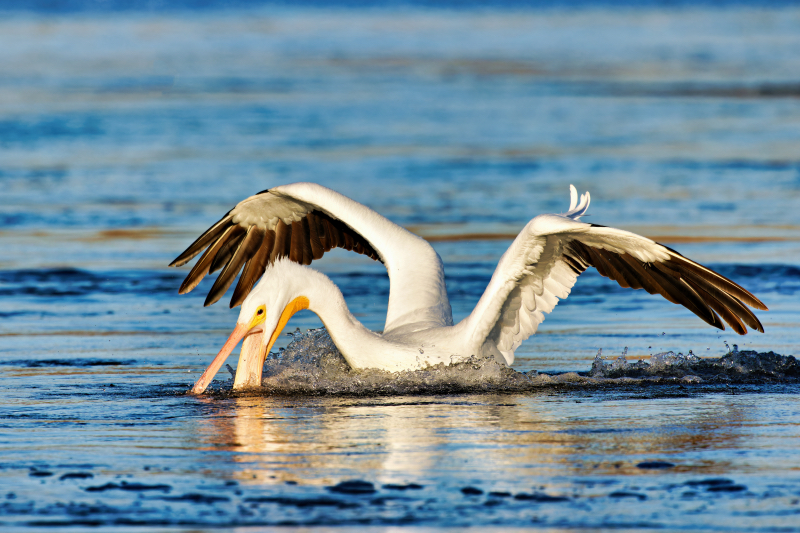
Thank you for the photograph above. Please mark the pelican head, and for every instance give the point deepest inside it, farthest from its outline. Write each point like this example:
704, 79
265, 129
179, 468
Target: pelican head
264, 314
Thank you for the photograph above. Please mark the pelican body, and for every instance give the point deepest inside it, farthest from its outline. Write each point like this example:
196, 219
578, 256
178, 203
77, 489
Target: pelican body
275, 233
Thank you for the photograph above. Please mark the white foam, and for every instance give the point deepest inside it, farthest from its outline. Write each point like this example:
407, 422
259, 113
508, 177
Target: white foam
312, 365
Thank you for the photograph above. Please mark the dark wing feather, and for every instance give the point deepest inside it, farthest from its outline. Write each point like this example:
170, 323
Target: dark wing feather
684, 294
283, 233
254, 267
313, 237
725, 312
209, 236
628, 273
736, 306
299, 239
308, 253
697, 271
678, 279
228, 249
245, 250
333, 234
233, 247
643, 275
202, 266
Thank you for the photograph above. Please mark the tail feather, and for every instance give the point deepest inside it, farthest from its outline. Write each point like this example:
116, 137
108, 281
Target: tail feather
577, 209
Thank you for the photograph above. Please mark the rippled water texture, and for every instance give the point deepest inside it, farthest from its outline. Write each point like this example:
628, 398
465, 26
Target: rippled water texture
124, 134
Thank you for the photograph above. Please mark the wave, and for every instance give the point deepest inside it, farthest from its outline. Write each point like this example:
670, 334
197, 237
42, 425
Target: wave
58, 282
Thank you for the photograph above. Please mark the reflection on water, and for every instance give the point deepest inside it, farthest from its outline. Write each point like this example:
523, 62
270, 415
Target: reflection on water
405, 439
87, 433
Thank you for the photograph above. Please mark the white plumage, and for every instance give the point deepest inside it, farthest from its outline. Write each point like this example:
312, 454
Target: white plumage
277, 231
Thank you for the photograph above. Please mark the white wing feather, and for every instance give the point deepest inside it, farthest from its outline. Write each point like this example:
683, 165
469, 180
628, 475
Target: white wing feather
533, 275
417, 297
535, 281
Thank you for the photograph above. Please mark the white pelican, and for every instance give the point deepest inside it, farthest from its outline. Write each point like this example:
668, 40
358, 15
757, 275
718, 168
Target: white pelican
281, 229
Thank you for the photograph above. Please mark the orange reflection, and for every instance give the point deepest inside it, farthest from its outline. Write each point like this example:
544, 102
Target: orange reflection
413, 439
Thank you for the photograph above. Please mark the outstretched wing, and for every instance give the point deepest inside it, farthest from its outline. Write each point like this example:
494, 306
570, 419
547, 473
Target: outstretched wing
302, 221
544, 261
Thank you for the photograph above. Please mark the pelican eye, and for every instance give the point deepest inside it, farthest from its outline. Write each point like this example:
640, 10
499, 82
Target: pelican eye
258, 316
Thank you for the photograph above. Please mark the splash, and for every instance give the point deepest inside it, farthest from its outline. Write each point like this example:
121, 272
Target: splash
734, 367
312, 365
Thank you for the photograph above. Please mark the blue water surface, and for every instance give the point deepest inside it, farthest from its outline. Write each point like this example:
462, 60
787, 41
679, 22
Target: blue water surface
126, 131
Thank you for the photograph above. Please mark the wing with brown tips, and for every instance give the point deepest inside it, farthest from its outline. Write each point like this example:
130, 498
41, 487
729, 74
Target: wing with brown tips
544, 261
259, 231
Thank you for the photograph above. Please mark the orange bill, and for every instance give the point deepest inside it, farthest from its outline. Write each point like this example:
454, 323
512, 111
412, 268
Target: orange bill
251, 360
205, 380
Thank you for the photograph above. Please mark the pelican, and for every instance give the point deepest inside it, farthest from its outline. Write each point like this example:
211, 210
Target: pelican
276, 232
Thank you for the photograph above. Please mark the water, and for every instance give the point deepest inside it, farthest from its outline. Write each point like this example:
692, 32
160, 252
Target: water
125, 133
